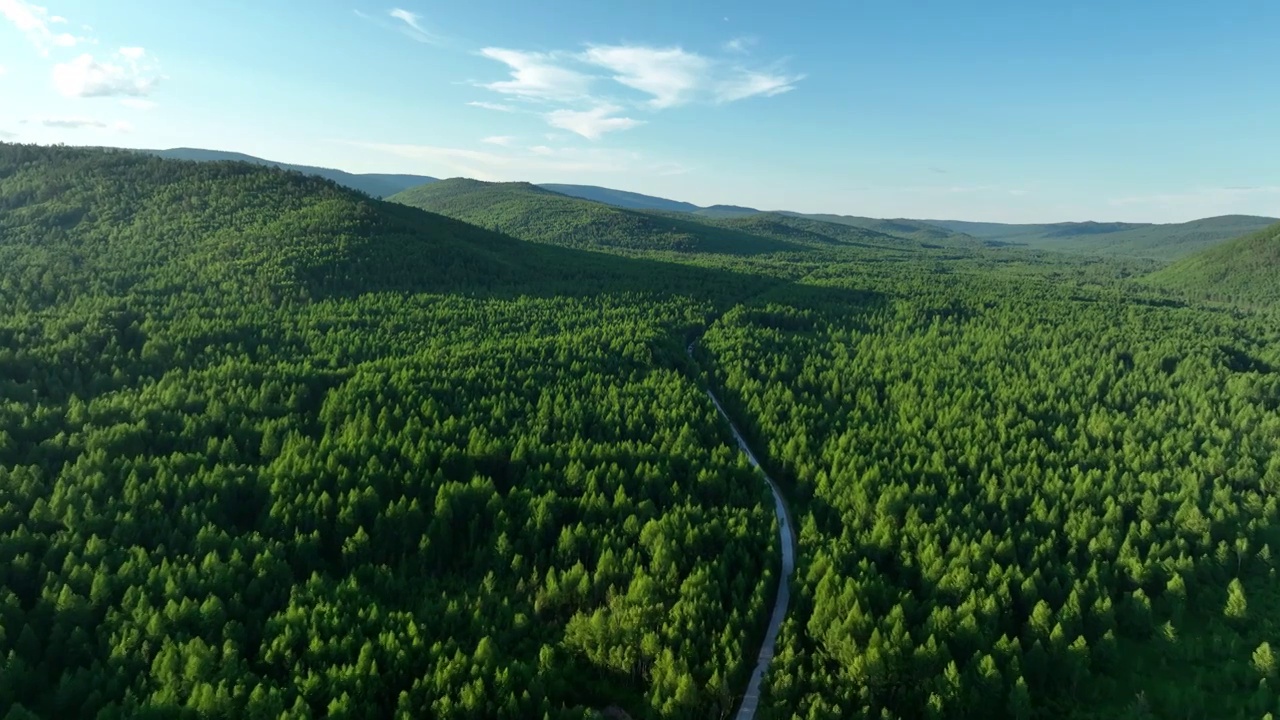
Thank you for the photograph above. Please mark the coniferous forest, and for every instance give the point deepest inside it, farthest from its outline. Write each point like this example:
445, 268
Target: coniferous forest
273, 448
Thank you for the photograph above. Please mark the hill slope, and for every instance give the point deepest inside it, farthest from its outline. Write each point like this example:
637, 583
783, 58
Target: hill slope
914, 229
94, 222
1246, 269
379, 185
620, 198
533, 213
1161, 242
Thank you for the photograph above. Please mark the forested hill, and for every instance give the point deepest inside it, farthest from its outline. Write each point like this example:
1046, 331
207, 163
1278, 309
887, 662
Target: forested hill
379, 185
80, 222
533, 213
1246, 269
915, 229
1144, 240
270, 448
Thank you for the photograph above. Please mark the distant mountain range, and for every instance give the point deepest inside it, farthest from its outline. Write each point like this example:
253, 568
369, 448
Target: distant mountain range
1146, 240
1149, 240
379, 185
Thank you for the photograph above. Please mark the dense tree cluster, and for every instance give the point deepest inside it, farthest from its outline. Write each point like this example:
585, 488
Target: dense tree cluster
254, 463
1016, 497
273, 448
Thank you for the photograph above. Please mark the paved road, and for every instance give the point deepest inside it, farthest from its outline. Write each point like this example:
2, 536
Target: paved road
747, 711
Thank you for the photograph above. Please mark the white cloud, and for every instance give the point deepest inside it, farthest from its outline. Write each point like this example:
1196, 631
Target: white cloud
591, 124
750, 84
85, 77
34, 21
739, 44
666, 77
81, 123
409, 18
515, 164
499, 140
499, 107
541, 150
670, 75
412, 25
7, 135
537, 76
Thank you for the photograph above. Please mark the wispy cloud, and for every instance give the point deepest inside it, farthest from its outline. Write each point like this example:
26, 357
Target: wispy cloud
80, 123
671, 75
129, 73
739, 44
499, 140
666, 77
750, 84
7, 135
34, 21
591, 124
498, 107
411, 25
537, 76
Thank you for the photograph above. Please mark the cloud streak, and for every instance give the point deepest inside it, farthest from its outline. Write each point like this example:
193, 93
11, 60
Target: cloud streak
411, 25
537, 76
81, 123
496, 107
670, 75
591, 124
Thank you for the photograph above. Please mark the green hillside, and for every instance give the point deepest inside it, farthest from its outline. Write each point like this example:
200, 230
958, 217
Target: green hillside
539, 215
379, 185
1160, 242
1246, 269
269, 448
802, 229
914, 229
620, 198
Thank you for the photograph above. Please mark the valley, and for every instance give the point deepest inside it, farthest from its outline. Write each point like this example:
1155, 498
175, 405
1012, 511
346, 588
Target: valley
277, 442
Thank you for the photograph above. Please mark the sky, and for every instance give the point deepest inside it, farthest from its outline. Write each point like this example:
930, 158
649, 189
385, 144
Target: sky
1108, 110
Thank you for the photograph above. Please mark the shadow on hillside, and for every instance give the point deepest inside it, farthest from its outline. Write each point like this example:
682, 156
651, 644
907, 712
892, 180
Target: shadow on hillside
450, 257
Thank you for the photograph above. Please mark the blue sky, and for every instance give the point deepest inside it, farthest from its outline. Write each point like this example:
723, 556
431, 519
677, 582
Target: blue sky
981, 110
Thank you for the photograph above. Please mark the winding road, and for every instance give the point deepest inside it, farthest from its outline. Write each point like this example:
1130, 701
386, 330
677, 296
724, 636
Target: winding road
747, 711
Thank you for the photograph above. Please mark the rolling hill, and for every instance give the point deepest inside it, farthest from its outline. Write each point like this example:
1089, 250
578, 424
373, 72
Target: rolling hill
1246, 269
1145, 240
620, 198
379, 185
533, 213
914, 229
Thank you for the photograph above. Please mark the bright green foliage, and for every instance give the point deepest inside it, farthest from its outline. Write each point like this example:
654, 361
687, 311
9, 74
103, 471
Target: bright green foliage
1245, 270
271, 448
1005, 482
268, 446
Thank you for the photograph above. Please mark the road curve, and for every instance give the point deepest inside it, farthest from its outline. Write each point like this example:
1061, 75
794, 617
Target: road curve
747, 711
